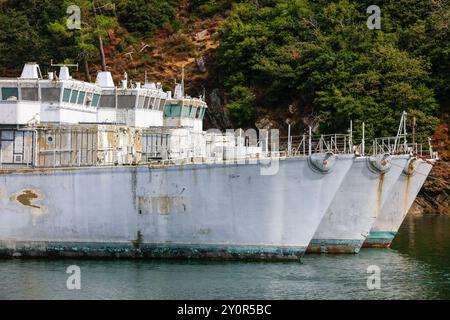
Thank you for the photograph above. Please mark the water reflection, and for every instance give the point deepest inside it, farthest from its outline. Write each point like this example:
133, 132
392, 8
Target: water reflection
416, 268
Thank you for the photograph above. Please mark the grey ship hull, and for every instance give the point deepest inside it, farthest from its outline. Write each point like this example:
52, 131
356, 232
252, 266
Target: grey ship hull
356, 206
221, 211
397, 205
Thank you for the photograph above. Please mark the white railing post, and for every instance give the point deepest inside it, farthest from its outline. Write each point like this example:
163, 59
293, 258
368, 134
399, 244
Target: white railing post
310, 141
363, 138
289, 141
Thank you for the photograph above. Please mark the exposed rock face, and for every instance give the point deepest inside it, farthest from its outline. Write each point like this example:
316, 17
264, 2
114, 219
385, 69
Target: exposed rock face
201, 64
216, 117
201, 36
264, 122
435, 194
416, 209
292, 109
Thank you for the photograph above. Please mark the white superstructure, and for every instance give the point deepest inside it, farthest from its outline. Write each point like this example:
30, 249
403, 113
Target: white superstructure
60, 99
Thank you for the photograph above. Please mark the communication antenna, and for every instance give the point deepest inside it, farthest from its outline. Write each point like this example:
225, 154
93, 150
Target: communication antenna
63, 65
182, 81
350, 138
401, 133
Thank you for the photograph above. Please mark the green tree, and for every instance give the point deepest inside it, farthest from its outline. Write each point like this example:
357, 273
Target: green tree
16, 35
146, 16
323, 55
242, 107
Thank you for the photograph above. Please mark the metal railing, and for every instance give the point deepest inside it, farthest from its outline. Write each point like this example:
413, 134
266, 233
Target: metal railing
305, 145
94, 146
393, 145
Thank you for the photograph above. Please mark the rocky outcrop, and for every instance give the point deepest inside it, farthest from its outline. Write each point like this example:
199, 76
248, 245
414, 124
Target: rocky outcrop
216, 117
435, 195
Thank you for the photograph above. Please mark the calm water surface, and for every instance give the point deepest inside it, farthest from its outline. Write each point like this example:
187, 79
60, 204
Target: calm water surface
417, 267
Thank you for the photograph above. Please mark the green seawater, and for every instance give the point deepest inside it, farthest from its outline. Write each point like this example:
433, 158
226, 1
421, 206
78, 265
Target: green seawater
416, 267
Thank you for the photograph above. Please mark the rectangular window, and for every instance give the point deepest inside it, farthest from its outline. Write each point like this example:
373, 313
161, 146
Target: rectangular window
107, 101
172, 111
66, 95
74, 96
30, 94
167, 111
9, 93
81, 97
185, 112
7, 135
152, 103
126, 101
50, 94
95, 100
193, 112
175, 111
199, 113
141, 100
162, 103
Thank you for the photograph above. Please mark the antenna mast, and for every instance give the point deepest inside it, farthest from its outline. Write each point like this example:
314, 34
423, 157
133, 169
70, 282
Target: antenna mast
63, 65
401, 133
182, 81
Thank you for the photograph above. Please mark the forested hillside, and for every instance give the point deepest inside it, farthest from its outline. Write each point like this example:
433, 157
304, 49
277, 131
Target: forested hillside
317, 57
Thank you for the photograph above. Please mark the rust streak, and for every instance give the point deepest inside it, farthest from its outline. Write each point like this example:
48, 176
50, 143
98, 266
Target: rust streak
405, 198
380, 193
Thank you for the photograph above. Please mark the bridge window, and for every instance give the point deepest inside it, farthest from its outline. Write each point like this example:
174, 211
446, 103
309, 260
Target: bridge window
185, 112
95, 100
172, 111
189, 110
9, 92
193, 112
107, 101
141, 101
81, 97
30, 94
66, 95
74, 96
162, 103
152, 103
51, 94
126, 101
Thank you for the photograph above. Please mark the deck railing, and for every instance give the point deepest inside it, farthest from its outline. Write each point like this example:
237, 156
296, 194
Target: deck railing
77, 146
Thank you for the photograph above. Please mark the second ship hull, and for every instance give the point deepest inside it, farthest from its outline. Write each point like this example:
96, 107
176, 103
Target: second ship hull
355, 207
397, 206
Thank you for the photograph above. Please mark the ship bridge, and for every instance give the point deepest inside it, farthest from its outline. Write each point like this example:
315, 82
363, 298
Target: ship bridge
184, 111
138, 106
30, 99
60, 99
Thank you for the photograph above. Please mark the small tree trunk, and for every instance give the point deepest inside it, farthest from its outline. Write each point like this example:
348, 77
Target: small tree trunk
87, 75
100, 40
102, 52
